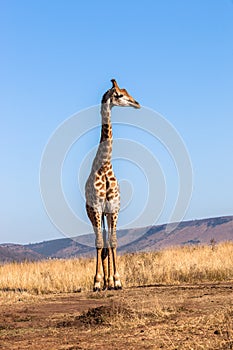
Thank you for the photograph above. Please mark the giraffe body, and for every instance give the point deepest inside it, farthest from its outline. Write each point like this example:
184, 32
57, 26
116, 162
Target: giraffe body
103, 194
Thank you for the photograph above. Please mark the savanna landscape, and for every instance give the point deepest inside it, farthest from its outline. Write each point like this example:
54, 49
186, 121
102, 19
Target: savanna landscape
70, 150
175, 298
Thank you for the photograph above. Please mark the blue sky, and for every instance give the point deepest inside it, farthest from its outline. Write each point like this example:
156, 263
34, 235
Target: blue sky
57, 58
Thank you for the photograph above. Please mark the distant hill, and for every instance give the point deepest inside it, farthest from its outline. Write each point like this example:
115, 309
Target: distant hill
131, 240
80, 246
187, 232
18, 253
61, 248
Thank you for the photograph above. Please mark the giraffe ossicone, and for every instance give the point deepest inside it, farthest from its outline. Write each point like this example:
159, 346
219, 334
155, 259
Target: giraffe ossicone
103, 194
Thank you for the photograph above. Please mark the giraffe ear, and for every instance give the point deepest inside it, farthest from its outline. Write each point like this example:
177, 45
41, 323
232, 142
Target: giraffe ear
114, 84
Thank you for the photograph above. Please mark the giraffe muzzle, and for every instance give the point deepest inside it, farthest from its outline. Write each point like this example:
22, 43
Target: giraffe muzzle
135, 104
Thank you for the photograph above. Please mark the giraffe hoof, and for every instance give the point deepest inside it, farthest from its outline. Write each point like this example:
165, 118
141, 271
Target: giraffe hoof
110, 287
118, 287
96, 289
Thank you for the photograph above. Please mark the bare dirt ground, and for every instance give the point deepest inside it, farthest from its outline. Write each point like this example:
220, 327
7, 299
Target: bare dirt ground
153, 317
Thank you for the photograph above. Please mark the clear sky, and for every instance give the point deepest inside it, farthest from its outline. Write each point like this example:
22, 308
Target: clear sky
57, 58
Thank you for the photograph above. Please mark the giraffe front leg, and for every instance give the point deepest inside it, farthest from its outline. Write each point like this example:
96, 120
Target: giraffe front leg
117, 281
110, 260
98, 275
110, 270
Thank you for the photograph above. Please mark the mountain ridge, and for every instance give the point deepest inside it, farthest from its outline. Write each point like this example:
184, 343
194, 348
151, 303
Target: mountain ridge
199, 231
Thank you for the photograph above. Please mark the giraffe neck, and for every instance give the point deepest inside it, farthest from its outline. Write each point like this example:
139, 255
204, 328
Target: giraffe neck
106, 130
104, 153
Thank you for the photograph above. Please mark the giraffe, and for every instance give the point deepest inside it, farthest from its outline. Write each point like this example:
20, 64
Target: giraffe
103, 194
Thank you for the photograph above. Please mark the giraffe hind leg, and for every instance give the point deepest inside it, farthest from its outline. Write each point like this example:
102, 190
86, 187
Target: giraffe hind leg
113, 245
114, 277
104, 255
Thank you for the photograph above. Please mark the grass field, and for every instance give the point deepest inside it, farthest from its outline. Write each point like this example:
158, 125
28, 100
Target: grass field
189, 264
178, 298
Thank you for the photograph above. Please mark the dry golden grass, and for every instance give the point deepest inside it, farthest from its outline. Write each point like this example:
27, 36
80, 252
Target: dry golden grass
191, 264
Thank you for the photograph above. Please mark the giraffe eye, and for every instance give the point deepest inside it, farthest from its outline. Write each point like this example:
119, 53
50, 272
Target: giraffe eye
119, 96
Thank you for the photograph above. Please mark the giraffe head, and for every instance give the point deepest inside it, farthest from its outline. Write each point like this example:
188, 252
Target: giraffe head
119, 97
